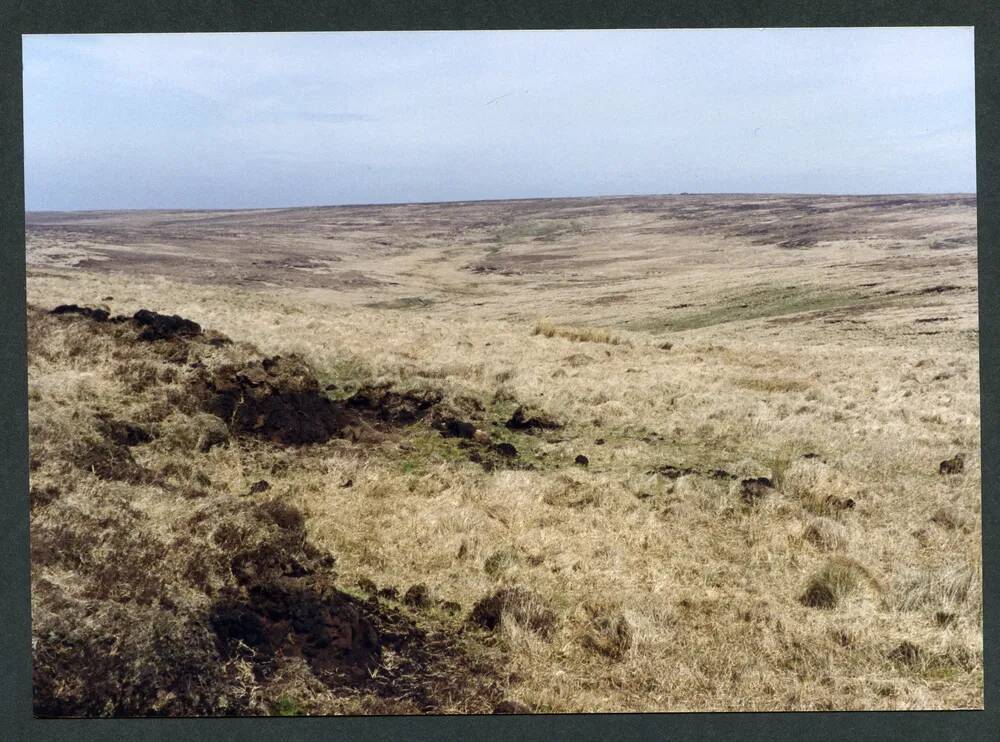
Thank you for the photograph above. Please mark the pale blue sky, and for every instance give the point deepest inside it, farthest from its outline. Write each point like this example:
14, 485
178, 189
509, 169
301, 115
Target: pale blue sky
255, 120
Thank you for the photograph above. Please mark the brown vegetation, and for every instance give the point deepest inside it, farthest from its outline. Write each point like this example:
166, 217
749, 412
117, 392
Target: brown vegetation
362, 496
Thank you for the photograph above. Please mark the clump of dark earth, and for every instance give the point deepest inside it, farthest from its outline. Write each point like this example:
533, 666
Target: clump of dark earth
754, 489
389, 593
452, 427
343, 639
954, 465
520, 604
417, 596
490, 463
272, 560
385, 405
672, 472
284, 515
511, 707
523, 420
493, 456
259, 486
428, 666
722, 474
276, 399
666, 346
581, 460
39, 497
907, 653
505, 449
98, 315
123, 433
346, 484
299, 617
158, 326
110, 461
939, 289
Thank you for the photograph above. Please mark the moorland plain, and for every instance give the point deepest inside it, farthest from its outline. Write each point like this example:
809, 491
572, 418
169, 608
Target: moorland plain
694, 452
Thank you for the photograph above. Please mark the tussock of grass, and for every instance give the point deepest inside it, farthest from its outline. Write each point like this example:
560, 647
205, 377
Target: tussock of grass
953, 518
947, 587
836, 581
825, 534
606, 631
578, 334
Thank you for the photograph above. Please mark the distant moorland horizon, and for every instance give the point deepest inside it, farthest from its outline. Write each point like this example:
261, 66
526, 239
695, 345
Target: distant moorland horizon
608, 197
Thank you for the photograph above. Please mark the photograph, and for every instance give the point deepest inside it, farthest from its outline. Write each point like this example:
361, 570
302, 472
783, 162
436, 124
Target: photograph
379, 373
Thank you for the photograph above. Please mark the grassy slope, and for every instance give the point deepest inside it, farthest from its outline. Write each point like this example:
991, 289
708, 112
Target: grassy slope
708, 587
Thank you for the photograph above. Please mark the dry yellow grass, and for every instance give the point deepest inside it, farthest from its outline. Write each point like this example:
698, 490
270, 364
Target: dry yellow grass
668, 592
578, 334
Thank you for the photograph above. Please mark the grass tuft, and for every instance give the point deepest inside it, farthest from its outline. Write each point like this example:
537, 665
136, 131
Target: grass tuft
578, 334
838, 579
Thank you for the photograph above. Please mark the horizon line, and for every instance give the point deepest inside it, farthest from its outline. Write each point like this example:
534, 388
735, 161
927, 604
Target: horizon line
800, 194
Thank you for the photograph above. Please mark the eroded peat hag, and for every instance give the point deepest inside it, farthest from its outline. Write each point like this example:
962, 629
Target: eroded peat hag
212, 600
637, 454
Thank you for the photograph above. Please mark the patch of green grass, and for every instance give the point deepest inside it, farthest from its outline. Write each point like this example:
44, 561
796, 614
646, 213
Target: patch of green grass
945, 672
287, 706
761, 303
427, 448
